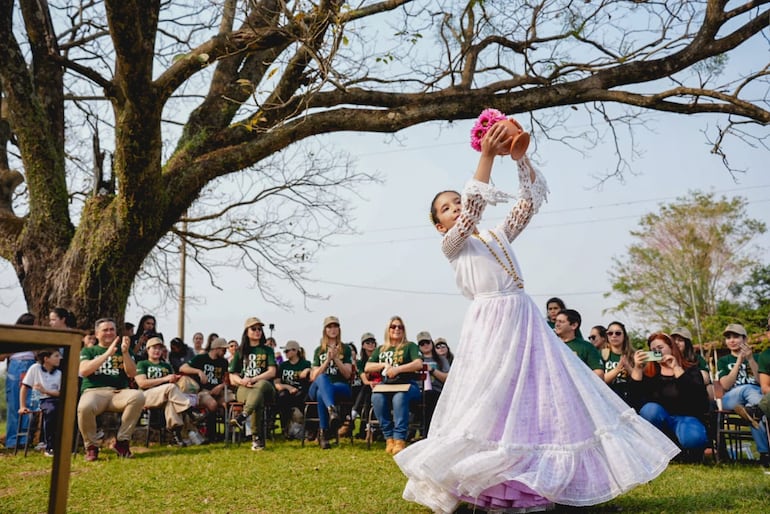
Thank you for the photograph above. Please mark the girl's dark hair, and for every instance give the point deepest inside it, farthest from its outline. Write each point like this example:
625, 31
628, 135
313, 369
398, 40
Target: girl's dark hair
140, 326
67, 316
433, 211
558, 301
689, 353
26, 319
42, 354
602, 331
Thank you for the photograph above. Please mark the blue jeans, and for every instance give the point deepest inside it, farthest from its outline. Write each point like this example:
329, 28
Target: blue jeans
689, 432
325, 392
16, 371
747, 394
396, 426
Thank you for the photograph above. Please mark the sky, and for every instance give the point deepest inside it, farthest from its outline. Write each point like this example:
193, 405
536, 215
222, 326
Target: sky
394, 265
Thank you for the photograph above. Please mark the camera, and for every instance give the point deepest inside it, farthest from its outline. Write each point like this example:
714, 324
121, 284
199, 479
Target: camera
654, 356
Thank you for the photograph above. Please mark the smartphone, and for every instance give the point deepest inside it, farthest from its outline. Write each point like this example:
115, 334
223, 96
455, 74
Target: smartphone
652, 356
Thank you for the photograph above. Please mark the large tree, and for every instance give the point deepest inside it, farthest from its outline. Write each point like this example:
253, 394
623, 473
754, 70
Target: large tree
689, 258
173, 97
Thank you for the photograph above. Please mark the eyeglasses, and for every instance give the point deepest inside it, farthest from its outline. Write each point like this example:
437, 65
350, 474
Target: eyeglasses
441, 345
256, 327
591, 338
424, 343
287, 350
370, 341
614, 333
397, 327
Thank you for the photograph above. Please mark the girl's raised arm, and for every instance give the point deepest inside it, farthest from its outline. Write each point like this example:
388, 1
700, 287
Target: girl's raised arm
533, 191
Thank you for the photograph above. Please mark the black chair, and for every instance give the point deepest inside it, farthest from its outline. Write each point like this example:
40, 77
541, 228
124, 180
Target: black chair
310, 413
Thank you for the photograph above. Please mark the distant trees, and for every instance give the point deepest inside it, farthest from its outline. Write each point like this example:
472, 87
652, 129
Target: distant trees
692, 260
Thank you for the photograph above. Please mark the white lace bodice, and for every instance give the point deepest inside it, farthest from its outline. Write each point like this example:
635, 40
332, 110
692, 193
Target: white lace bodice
477, 270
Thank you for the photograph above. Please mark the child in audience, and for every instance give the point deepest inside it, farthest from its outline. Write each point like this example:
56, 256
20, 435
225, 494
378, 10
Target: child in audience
43, 379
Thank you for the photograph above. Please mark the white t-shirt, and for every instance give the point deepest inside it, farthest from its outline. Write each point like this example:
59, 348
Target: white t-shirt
37, 374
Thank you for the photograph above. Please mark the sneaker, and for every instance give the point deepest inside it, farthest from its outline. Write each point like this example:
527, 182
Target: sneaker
196, 416
177, 439
334, 419
742, 412
48, 453
764, 460
40, 446
238, 421
354, 414
122, 449
92, 453
257, 444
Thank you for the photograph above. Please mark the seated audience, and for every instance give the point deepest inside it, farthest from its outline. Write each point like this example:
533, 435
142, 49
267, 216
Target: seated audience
363, 400
567, 327
399, 362
763, 365
147, 329
330, 376
210, 370
106, 369
737, 371
669, 392
618, 359
438, 371
158, 382
252, 370
683, 338
291, 384
44, 380
180, 354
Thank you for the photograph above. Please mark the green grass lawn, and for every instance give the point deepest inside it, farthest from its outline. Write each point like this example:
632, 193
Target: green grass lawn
286, 478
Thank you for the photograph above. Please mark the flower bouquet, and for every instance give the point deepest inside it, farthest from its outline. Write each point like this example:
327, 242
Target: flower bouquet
487, 118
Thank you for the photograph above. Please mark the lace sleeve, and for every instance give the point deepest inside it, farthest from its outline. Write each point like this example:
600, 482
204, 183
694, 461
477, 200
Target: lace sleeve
475, 198
531, 197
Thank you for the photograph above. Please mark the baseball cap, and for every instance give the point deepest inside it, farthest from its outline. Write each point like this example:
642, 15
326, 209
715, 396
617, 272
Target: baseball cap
681, 331
153, 341
424, 336
291, 345
735, 328
219, 342
328, 320
250, 322
366, 336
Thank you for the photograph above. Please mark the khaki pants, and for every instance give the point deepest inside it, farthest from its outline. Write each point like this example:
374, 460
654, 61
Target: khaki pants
102, 399
170, 397
253, 399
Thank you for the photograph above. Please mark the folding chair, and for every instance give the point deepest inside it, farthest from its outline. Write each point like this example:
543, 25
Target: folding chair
34, 421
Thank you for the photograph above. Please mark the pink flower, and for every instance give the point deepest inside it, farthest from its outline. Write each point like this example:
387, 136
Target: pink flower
486, 119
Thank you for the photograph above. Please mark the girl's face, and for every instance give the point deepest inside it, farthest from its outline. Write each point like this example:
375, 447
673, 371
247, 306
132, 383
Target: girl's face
149, 324
448, 206
332, 331
615, 334
659, 345
553, 309
679, 340
733, 341
198, 340
55, 321
596, 338
442, 349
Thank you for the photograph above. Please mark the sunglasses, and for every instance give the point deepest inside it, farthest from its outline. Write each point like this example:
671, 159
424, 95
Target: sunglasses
614, 333
591, 338
287, 350
370, 341
256, 327
441, 345
397, 327
424, 343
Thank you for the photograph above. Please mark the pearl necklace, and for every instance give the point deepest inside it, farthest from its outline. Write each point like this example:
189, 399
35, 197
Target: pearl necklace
510, 269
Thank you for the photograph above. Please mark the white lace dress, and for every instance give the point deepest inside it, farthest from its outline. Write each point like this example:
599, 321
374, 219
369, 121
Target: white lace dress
523, 423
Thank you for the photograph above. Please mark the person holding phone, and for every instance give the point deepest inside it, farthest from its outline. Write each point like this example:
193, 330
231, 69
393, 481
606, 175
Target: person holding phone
668, 391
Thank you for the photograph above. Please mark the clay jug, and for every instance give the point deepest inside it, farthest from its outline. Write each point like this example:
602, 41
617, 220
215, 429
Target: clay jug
520, 141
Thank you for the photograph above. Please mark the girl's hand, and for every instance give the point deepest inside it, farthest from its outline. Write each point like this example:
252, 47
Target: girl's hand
669, 361
639, 358
496, 141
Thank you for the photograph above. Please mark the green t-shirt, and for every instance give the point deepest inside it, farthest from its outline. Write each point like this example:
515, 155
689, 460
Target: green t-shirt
289, 372
334, 374
702, 364
109, 374
396, 356
258, 359
763, 362
586, 352
214, 369
612, 362
154, 370
727, 363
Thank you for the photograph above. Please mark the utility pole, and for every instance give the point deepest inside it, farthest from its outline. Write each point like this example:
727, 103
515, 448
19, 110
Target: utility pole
182, 280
